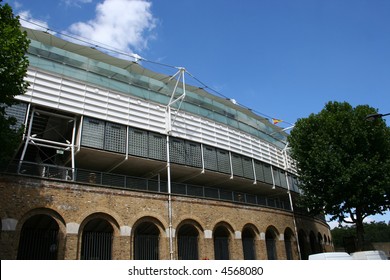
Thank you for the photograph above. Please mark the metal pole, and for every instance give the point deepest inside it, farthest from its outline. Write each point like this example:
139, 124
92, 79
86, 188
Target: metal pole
169, 186
254, 172
231, 165
72, 148
273, 178
168, 128
27, 140
169, 203
293, 214
291, 201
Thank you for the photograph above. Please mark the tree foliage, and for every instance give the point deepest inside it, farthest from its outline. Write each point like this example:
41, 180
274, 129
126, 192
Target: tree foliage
343, 162
13, 60
13, 68
374, 232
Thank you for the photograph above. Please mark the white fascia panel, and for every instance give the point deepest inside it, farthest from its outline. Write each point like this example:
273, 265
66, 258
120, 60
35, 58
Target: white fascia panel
93, 98
73, 96
67, 95
121, 112
40, 99
43, 91
25, 97
255, 150
48, 80
76, 86
70, 108
30, 78
92, 114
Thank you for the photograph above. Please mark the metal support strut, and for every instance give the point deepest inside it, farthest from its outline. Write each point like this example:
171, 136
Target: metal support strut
168, 129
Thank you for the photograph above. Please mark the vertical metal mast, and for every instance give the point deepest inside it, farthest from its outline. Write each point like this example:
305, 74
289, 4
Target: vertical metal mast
290, 198
169, 123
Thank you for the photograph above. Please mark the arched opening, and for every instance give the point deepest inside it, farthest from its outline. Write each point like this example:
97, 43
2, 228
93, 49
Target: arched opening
221, 243
38, 239
248, 244
320, 243
302, 237
329, 241
313, 243
97, 240
326, 243
288, 243
146, 241
270, 241
187, 243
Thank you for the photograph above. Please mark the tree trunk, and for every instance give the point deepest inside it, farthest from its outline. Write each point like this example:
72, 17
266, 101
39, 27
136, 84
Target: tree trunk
359, 232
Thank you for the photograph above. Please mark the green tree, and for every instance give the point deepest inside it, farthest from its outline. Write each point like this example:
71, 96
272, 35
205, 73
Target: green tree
13, 68
374, 232
343, 163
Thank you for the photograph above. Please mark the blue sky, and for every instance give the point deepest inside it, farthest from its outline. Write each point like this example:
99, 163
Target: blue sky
283, 59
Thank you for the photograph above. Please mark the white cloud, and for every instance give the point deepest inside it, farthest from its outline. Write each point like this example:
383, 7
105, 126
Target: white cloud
76, 3
121, 24
28, 21
17, 5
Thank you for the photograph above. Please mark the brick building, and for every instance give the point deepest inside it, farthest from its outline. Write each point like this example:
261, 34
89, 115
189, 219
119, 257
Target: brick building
120, 162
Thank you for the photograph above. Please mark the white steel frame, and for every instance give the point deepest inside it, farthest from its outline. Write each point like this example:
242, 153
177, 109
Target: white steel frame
180, 74
40, 142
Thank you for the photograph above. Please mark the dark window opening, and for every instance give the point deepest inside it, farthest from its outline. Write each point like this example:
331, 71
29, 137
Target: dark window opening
38, 239
187, 243
248, 244
97, 240
146, 242
221, 243
270, 240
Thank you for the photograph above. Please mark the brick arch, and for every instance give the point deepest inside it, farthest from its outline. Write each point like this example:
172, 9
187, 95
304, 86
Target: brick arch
290, 243
160, 219
271, 238
325, 238
249, 235
321, 242
100, 215
192, 222
251, 227
58, 236
313, 242
108, 213
46, 211
147, 245
223, 245
303, 244
190, 219
157, 222
264, 226
225, 224
100, 235
189, 236
289, 231
274, 230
